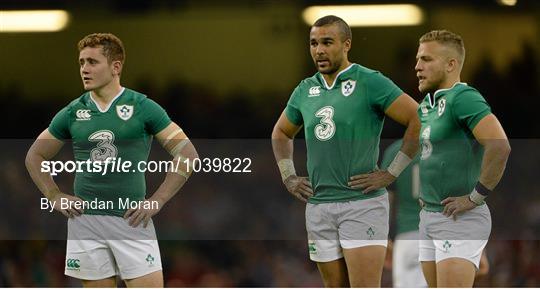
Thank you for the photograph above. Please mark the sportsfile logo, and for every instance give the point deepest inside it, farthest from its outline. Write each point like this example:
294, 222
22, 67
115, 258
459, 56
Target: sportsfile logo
73, 264
83, 114
314, 91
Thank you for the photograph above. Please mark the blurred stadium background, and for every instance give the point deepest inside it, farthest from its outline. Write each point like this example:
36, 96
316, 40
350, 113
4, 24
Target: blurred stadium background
224, 72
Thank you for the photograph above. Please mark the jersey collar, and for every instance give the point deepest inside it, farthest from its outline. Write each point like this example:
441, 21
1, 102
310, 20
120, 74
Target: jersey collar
432, 99
110, 103
335, 79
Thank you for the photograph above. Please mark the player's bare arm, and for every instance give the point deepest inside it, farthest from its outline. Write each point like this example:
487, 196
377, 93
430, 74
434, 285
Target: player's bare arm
490, 134
282, 144
175, 141
404, 111
43, 149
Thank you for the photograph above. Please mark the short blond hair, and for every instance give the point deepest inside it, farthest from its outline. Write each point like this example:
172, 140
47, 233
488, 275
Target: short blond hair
112, 46
448, 39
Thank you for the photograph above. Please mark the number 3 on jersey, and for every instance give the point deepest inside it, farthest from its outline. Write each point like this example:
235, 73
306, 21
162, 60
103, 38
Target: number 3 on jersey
105, 148
326, 128
427, 147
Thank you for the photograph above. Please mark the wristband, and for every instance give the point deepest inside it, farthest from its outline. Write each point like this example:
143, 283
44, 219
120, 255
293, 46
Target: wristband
482, 190
286, 168
477, 198
400, 162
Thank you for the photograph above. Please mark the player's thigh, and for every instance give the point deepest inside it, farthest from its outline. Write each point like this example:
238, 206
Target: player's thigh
455, 272
364, 222
151, 280
458, 245
136, 258
88, 256
137, 253
334, 273
466, 237
365, 265
103, 283
363, 234
429, 268
427, 251
322, 232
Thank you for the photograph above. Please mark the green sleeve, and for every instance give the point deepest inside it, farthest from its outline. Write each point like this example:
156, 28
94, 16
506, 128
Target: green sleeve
59, 126
469, 107
292, 111
382, 91
390, 153
155, 117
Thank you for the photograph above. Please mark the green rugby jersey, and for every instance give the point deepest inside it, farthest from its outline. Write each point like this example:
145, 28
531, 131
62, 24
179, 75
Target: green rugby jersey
451, 158
342, 125
407, 191
123, 131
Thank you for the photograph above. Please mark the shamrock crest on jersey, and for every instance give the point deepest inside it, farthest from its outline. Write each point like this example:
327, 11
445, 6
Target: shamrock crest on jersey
347, 87
442, 106
124, 111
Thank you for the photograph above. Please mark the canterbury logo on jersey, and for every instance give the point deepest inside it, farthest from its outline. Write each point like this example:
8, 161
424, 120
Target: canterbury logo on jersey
83, 114
314, 91
424, 109
72, 264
